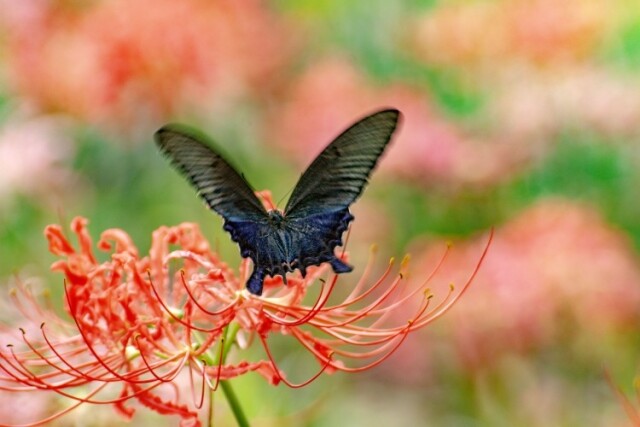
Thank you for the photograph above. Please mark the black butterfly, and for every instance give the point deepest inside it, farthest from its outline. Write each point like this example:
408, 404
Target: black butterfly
317, 213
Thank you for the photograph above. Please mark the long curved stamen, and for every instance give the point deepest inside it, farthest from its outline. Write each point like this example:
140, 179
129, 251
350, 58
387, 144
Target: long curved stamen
284, 380
178, 319
227, 309
321, 301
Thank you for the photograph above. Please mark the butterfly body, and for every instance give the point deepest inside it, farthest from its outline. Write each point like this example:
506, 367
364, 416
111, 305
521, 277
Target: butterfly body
293, 244
317, 213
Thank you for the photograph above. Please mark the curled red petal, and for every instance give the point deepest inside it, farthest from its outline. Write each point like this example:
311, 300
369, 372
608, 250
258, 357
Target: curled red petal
58, 243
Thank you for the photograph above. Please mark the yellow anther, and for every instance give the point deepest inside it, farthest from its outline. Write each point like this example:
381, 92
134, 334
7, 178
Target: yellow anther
405, 260
131, 352
404, 265
176, 312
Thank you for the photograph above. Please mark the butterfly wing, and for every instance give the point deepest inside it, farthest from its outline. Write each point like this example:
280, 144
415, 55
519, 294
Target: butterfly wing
338, 175
220, 185
317, 214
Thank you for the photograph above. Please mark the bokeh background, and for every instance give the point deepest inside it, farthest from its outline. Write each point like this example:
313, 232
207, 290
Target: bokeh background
523, 115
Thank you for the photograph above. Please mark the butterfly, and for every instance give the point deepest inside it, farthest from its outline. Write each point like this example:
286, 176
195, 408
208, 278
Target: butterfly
317, 213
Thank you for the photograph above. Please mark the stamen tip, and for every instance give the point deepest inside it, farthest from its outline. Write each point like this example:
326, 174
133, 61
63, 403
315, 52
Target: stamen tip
404, 265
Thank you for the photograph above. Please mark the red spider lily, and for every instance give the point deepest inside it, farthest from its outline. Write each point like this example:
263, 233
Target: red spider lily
139, 323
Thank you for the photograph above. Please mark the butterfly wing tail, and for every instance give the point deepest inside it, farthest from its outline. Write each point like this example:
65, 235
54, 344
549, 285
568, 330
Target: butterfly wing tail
254, 284
339, 266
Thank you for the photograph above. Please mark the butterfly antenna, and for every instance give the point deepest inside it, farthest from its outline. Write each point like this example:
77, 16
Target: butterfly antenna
287, 194
346, 241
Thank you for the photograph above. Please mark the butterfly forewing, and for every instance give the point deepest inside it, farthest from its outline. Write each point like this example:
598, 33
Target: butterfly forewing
217, 182
336, 178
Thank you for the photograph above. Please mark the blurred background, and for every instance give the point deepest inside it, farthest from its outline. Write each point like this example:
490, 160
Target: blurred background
523, 115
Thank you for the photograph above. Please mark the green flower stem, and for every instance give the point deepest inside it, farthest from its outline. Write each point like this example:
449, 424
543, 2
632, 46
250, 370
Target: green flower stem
227, 340
229, 335
234, 404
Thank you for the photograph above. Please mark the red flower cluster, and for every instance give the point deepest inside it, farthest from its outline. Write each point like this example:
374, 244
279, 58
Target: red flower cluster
140, 322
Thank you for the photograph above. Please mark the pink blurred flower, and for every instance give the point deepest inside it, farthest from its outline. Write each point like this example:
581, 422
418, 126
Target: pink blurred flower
537, 106
556, 264
539, 59
138, 323
32, 156
126, 60
487, 34
428, 146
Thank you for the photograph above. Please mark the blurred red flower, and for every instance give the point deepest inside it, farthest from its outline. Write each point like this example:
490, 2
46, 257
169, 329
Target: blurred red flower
555, 265
33, 152
124, 61
536, 107
486, 34
539, 64
428, 147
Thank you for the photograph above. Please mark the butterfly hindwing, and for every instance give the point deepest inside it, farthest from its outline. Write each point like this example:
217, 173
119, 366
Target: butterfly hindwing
320, 234
285, 245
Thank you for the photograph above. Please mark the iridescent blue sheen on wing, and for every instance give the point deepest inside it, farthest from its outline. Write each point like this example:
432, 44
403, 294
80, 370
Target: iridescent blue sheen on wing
317, 213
